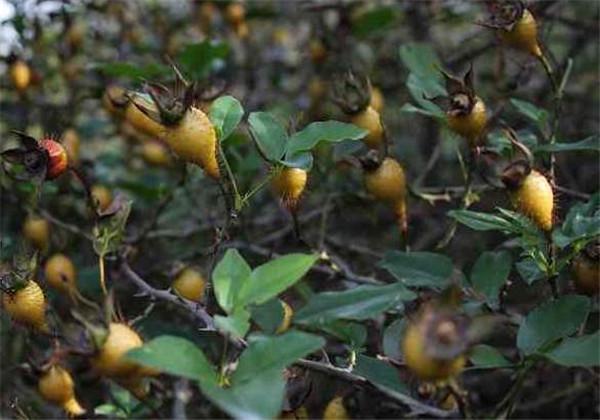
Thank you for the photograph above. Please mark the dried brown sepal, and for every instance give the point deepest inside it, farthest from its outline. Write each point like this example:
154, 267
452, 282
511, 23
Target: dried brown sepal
370, 161
515, 173
504, 14
352, 92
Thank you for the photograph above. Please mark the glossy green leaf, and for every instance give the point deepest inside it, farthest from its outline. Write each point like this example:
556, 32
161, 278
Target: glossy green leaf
176, 356
274, 353
531, 111
552, 320
589, 144
529, 270
379, 373
226, 112
228, 277
489, 274
273, 277
419, 269
259, 398
481, 221
488, 357
268, 133
323, 131
363, 302
302, 160
268, 316
350, 332
581, 351
237, 324
582, 223
392, 337
422, 60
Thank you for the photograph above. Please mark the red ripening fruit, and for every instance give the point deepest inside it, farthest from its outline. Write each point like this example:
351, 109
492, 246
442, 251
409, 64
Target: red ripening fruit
57, 158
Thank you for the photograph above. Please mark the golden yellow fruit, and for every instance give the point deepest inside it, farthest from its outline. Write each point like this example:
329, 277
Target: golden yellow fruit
289, 184
377, 99
37, 232
61, 274
387, 182
141, 121
190, 284
586, 273
56, 386
370, 120
523, 35
472, 125
424, 366
534, 198
71, 143
194, 140
20, 75
288, 314
27, 305
235, 13
111, 361
335, 410
102, 196
155, 153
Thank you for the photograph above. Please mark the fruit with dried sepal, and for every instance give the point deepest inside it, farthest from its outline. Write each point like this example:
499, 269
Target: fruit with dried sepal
56, 386
26, 304
288, 184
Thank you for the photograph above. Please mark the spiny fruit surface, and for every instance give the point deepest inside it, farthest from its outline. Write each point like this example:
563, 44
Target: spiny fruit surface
101, 196
534, 198
56, 386
335, 410
586, 274
37, 231
20, 75
60, 273
110, 360
289, 185
194, 140
141, 121
471, 125
523, 35
425, 367
27, 305
288, 314
370, 120
58, 160
71, 143
190, 284
387, 182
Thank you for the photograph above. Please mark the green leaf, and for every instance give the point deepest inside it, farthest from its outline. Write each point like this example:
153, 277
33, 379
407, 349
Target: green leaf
411, 109
582, 223
268, 316
273, 277
363, 302
579, 351
529, 110
236, 324
268, 133
353, 333
228, 277
374, 20
481, 221
226, 112
131, 71
529, 270
552, 320
392, 337
257, 399
591, 143
274, 353
176, 356
379, 373
302, 160
196, 60
419, 269
420, 89
323, 131
489, 274
422, 60
485, 356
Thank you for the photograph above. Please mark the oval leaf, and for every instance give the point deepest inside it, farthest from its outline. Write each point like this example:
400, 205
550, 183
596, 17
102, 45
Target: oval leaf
270, 136
225, 114
419, 269
228, 277
489, 274
579, 351
323, 131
